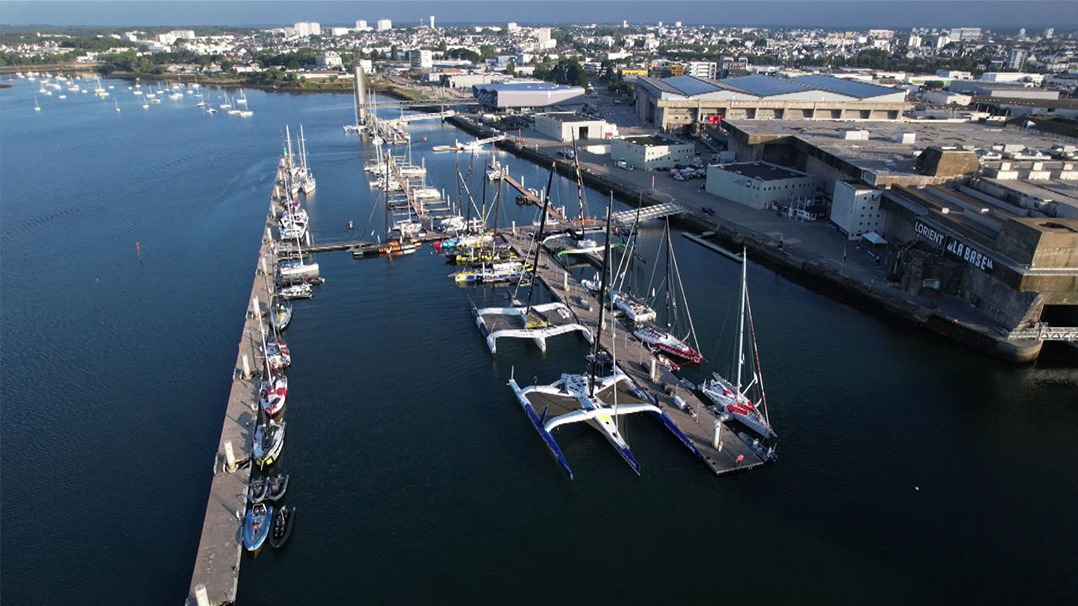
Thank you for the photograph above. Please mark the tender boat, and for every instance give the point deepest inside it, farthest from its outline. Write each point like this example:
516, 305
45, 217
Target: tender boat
256, 526
276, 486
269, 441
258, 489
282, 526
296, 291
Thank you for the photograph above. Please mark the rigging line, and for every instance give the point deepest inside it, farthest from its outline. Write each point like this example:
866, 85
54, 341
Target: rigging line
756, 355
681, 288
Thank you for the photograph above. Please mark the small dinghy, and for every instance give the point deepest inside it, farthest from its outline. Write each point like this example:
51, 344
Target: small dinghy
256, 526
258, 489
276, 486
282, 526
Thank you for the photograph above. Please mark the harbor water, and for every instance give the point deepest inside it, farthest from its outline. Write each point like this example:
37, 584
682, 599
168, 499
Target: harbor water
909, 471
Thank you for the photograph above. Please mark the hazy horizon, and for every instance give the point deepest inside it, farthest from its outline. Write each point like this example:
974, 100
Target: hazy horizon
1000, 15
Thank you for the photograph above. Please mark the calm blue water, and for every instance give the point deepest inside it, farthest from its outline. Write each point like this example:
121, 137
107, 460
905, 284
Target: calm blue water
911, 470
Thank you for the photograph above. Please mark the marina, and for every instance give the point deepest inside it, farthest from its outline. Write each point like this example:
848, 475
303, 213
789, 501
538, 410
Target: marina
396, 401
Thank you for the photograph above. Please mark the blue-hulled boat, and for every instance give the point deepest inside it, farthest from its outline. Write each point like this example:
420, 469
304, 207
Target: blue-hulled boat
256, 526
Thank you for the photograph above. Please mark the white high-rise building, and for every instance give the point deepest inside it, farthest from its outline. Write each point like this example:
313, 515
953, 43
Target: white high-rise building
1022, 33
361, 25
421, 59
384, 25
914, 41
512, 27
432, 21
1049, 32
882, 34
677, 23
701, 69
1016, 59
305, 28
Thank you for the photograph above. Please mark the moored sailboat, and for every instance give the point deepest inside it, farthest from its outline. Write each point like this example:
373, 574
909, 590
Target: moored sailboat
746, 403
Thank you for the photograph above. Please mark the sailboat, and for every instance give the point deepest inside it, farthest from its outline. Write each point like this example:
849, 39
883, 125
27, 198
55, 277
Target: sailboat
37, 107
274, 391
745, 403
116, 104
306, 177
589, 398
664, 341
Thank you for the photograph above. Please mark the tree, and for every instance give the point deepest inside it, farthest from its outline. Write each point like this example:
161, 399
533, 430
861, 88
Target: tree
487, 51
442, 47
394, 53
511, 69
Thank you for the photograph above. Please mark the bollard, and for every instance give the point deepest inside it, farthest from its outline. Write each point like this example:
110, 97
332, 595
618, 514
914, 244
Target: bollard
201, 597
514, 224
565, 281
269, 234
716, 437
262, 262
246, 367
230, 457
255, 309
653, 373
308, 238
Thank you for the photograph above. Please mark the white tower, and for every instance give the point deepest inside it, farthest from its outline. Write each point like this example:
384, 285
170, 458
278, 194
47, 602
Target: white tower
432, 21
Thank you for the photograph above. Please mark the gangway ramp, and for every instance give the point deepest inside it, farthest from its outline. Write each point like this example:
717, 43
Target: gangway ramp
655, 211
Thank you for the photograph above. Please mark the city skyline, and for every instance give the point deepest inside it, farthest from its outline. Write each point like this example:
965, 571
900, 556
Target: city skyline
761, 13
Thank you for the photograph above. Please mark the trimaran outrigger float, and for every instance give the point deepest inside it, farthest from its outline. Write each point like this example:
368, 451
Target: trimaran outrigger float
589, 398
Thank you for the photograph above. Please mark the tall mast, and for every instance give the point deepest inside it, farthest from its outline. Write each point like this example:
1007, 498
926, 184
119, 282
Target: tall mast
539, 236
741, 321
288, 138
602, 297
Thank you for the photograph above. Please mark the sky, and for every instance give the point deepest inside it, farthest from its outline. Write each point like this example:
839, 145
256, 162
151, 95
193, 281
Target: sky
1001, 15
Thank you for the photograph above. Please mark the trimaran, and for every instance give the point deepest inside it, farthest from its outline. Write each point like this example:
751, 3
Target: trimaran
589, 398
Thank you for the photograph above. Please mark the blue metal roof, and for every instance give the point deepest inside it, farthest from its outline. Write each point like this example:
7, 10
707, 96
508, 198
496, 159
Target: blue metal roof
524, 86
691, 85
766, 86
842, 86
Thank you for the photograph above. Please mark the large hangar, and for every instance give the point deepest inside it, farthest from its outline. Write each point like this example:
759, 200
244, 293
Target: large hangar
526, 94
670, 103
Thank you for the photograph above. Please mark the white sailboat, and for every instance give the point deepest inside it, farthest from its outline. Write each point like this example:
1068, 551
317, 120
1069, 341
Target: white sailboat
306, 178
677, 318
37, 107
746, 403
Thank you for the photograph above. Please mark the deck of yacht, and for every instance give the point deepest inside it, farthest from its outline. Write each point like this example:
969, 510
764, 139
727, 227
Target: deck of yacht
724, 452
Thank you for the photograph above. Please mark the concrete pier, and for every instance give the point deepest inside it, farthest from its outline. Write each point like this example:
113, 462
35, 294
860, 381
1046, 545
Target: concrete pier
217, 564
725, 453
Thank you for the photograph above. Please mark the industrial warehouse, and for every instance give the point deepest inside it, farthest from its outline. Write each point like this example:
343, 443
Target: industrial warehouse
671, 103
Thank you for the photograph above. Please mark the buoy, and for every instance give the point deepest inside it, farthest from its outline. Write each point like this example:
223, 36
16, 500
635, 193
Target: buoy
653, 371
246, 367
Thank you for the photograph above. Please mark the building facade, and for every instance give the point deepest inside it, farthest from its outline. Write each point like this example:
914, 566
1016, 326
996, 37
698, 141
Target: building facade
760, 185
524, 94
855, 209
384, 25
329, 60
567, 127
652, 151
421, 59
